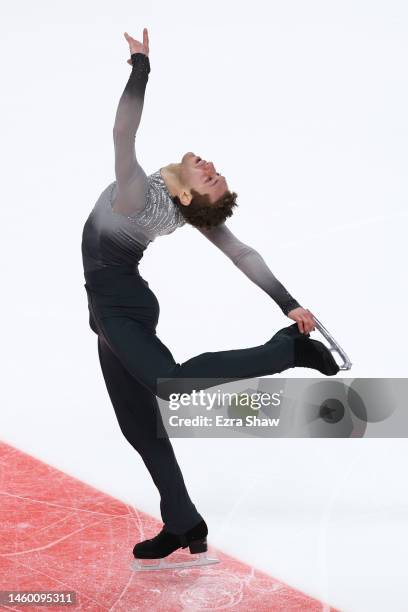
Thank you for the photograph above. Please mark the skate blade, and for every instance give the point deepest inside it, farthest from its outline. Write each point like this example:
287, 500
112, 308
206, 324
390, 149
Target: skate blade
142, 565
334, 346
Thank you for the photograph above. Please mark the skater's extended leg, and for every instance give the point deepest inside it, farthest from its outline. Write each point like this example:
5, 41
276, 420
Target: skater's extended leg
146, 358
139, 417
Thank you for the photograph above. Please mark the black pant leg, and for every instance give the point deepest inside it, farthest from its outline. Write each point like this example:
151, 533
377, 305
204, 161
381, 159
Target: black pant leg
150, 361
139, 416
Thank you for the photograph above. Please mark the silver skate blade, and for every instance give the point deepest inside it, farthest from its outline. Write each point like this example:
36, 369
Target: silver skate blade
142, 565
334, 346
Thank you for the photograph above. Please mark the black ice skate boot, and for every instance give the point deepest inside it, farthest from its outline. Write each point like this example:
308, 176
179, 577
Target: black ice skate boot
166, 542
314, 354
310, 353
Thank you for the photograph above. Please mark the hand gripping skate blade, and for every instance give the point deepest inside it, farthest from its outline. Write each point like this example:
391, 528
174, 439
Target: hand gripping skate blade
334, 346
142, 565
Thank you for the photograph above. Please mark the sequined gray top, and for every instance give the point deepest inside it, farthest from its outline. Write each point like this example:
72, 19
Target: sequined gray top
135, 208
113, 239
160, 215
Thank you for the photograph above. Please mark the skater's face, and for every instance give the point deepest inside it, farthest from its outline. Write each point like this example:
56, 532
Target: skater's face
201, 175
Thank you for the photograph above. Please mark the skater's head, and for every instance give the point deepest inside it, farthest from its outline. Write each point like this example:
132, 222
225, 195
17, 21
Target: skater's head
199, 191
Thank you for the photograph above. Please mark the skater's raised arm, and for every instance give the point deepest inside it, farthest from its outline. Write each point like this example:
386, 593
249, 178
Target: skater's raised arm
251, 263
130, 176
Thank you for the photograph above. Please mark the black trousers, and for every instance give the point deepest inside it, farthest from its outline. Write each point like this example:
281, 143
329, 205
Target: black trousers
137, 368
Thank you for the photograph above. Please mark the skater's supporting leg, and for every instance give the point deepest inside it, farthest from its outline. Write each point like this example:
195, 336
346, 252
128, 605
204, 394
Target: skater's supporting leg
138, 415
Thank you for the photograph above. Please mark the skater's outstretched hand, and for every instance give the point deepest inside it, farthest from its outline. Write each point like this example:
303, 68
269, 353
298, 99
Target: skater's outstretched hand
137, 47
303, 318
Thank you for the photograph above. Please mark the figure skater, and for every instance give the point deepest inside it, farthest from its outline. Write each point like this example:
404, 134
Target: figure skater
123, 311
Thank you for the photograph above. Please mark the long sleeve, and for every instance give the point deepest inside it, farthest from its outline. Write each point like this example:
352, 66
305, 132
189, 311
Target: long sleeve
250, 262
130, 176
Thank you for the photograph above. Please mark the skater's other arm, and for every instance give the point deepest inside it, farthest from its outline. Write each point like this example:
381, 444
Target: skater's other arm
130, 176
252, 264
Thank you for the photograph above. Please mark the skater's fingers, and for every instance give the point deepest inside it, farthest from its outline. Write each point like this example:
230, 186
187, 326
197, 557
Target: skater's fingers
303, 319
146, 39
310, 321
307, 324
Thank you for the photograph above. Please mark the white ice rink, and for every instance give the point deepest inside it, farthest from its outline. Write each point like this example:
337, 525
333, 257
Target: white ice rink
302, 106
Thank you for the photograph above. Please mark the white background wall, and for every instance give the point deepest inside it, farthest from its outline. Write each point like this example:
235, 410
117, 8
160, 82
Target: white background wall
302, 105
